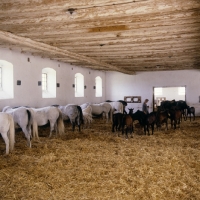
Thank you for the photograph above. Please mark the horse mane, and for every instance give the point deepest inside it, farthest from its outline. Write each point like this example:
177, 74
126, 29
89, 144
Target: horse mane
55, 105
123, 102
108, 101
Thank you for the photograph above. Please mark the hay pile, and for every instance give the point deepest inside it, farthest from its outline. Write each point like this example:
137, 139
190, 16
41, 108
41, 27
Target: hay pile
95, 164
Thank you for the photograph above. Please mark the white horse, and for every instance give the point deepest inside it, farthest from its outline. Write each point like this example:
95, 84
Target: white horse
49, 114
85, 105
102, 108
73, 113
117, 106
87, 116
7, 130
23, 118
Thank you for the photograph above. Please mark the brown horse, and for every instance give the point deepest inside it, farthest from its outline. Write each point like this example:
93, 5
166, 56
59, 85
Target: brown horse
145, 120
127, 125
190, 110
175, 116
162, 117
117, 122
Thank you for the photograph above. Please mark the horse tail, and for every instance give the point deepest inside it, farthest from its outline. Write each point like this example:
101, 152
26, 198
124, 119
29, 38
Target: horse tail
121, 107
34, 124
11, 133
80, 114
87, 116
29, 119
60, 123
111, 113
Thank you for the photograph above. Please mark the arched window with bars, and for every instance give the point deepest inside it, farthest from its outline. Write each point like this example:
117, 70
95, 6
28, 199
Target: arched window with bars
79, 85
6, 80
48, 83
98, 84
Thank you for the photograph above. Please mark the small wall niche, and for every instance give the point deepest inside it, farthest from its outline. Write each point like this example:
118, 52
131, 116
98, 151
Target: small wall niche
132, 99
18, 82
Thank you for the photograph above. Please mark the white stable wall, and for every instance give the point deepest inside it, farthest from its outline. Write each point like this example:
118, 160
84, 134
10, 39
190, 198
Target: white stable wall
30, 94
119, 85
115, 85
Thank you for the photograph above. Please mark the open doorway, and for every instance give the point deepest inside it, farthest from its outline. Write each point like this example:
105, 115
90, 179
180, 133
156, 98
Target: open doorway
167, 93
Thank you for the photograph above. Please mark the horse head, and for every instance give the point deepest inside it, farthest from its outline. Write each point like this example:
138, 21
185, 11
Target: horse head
130, 110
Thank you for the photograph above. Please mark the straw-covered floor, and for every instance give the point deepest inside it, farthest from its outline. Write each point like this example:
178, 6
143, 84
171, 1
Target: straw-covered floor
96, 164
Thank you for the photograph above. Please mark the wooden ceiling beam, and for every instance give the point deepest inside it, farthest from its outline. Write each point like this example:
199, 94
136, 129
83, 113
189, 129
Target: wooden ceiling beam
14, 39
146, 21
47, 11
51, 31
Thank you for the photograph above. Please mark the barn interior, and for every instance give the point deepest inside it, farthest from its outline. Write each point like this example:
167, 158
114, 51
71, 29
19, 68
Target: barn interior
140, 49
125, 36
128, 37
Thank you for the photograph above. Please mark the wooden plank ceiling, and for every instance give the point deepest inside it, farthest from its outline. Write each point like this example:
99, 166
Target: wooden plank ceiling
109, 35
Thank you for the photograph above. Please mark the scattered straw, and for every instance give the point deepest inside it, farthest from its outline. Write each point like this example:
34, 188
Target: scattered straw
96, 164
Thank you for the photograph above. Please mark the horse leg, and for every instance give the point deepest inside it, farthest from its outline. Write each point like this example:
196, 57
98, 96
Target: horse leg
73, 126
145, 129
119, 126
178, 123
148, 128
85, 122
175, 122
157, 125
117, 132
152, 128
123, 129
78, 123
6, 140
79, 127
126, 135
103, 115
172, 123
107, 118
27, 135
132, 131
113, 127
166, 124
53, 126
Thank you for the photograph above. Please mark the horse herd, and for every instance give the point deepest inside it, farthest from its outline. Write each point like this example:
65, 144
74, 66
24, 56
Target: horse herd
176, 111
28, 119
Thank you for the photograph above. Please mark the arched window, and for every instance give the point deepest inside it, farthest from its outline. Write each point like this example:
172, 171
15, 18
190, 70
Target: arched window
48, 83
98, 83
6, 80
79, 85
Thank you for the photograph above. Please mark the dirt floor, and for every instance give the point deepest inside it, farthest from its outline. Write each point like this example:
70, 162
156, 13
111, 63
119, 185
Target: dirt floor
95, 164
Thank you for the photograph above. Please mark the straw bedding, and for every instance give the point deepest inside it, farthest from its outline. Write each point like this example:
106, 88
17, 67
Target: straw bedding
95, 164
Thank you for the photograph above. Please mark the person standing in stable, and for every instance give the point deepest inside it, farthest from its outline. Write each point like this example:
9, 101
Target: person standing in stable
145, 108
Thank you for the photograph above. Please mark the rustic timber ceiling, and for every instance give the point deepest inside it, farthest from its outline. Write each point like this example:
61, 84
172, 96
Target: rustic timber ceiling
109, 35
